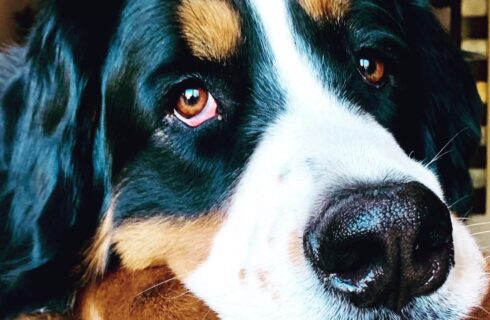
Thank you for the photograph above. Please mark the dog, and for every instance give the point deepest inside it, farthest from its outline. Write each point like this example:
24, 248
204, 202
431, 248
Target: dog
283, 159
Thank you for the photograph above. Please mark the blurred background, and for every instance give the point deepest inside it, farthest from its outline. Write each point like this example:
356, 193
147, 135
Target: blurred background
466, 20
468, 23
15, 18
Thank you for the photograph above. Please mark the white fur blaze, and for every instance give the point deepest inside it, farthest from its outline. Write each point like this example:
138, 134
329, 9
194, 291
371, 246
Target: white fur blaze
319, 144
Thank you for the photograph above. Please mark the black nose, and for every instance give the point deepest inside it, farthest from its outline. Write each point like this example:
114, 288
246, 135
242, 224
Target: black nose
382, 245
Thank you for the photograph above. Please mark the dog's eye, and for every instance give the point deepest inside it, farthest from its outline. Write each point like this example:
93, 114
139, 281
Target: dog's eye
195, 106
192, 102
372, 70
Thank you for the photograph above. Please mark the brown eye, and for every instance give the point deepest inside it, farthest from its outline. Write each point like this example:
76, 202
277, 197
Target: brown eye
372, 70
192, 102
195, 106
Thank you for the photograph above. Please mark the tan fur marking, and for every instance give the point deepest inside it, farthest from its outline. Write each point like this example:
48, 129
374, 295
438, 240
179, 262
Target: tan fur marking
96, 255
275, 295
295, 249
150, 294
325, 9
182, 245
263, 277
243, 274
210, 27
90, 309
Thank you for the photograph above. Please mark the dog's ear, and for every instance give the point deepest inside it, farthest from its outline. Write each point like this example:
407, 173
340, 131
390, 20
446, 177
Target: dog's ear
442, 121
55, 182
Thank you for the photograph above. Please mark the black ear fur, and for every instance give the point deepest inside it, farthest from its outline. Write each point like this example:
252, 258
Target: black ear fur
54, 163
448, 101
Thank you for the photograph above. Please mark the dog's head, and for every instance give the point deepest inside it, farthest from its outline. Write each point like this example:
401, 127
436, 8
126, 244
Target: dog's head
290, 159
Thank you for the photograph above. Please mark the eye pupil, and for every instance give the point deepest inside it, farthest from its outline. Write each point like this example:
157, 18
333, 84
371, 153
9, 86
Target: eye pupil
191, 96
372, 70
195, 105
191, 101
367, 66
364, 63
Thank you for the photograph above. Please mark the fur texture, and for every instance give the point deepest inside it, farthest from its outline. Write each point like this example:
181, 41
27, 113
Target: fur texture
98, 175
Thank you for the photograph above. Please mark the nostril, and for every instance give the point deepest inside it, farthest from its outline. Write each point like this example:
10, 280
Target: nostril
356, 269
432, 256
350, 264
435, 229
352, 259
431, 244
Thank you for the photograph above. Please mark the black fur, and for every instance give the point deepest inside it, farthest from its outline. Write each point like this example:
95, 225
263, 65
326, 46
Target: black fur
79, 117
54, 180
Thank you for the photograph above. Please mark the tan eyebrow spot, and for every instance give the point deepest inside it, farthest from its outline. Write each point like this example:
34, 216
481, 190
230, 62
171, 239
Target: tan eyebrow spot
182, 245
325, 9
210, 27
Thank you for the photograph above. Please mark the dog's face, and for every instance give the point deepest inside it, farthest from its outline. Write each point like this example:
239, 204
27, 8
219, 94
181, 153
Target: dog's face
285, 158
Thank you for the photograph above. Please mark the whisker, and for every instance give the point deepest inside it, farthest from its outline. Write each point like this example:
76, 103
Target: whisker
438, 157
477, 224
483, 309
440, 153
458, 201
181, 295
480, 233
206, 315
157, 285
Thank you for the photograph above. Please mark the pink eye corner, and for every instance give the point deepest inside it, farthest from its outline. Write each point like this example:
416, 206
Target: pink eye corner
195, 106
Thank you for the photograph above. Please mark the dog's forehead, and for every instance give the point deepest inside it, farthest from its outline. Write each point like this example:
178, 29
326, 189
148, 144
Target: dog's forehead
213, 29
325, 9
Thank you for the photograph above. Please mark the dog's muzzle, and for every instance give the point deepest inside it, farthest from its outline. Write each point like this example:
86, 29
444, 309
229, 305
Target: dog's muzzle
382, 245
